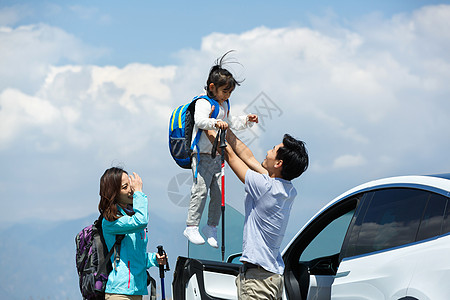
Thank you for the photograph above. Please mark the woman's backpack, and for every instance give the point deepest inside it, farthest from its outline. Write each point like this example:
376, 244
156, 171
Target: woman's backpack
93, 260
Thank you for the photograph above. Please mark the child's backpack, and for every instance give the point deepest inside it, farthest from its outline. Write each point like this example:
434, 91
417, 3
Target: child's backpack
93, 260
181, 126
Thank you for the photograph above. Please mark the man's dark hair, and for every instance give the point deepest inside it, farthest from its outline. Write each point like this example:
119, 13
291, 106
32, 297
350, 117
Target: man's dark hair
294, 156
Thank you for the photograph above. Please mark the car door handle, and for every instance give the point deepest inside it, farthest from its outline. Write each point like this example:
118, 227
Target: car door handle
342, 274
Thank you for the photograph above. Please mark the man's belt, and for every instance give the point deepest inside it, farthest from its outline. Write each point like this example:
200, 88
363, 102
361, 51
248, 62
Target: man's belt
246, 265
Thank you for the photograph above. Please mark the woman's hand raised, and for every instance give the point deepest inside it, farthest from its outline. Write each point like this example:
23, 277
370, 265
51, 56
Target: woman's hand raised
136, 182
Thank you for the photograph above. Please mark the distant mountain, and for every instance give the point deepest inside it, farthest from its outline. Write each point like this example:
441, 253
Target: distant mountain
38, 258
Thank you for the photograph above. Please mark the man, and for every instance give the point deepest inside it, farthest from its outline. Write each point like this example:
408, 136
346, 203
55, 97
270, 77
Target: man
268, 202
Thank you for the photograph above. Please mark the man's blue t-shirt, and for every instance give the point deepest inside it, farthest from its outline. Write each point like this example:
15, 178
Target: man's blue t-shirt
268, 204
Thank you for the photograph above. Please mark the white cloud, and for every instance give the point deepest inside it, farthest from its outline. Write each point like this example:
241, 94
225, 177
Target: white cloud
84, 12
369, 90
349, 161
12, 14
91, 13
28, 52
20, 112
88, 106
140, 83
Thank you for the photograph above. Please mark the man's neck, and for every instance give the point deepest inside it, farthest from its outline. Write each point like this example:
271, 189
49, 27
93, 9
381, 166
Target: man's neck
275, 174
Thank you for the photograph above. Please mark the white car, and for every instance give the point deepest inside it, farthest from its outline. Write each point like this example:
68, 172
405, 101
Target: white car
385, 239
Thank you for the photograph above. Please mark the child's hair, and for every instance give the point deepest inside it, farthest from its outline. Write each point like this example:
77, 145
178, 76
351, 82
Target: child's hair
220, 76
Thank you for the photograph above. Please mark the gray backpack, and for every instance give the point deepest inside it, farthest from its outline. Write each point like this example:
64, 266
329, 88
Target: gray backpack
93, 260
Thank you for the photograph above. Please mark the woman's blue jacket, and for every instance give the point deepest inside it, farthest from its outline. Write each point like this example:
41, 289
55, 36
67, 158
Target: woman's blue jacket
129, 277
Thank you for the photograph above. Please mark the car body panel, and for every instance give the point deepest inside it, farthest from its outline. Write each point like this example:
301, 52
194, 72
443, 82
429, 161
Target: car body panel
373, 275
432, 270
204, 279
320, 287
220, 285
192, 289
418, 270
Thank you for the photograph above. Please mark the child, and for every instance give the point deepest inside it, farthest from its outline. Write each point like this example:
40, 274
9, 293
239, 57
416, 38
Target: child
207, 170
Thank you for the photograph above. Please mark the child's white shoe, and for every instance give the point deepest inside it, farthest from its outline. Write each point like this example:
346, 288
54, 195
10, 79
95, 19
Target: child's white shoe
210, 233
191, 232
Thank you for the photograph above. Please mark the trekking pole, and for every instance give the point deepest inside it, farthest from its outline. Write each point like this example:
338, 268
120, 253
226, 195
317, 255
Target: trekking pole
222, 146
161, 252
220, 139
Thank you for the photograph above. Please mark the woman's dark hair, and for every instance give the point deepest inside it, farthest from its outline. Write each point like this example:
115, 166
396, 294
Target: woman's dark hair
294, 156
110, 185
220, 76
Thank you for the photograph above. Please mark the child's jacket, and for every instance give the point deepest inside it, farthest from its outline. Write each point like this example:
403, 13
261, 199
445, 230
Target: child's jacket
203, 121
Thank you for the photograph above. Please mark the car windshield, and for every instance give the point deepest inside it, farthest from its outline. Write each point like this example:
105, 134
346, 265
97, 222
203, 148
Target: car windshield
234, 224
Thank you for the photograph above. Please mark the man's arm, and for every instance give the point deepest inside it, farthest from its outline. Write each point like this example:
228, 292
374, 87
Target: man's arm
236, 162
237, 165
244, 153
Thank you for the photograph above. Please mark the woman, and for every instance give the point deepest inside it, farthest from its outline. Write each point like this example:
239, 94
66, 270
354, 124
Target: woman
125, 211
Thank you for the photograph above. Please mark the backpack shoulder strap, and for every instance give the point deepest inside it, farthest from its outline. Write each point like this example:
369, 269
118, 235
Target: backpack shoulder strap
214, 115
228, 104
114, 249
213, 102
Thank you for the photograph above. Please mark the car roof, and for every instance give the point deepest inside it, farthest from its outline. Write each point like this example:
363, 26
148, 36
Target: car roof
445, 176
439, 183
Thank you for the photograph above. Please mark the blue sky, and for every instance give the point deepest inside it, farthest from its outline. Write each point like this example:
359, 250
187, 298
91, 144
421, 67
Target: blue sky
87, 85
154, 31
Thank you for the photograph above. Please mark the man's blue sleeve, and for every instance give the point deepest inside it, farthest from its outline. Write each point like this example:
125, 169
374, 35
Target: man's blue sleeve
256, 184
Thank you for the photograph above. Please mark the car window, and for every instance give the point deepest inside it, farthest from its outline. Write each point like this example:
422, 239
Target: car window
433, 217
391, 219
446, 225
234, 225
329, 241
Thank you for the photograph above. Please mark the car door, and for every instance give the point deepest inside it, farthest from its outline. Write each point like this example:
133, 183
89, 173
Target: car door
312, 258
311, 262
203, 274
387, 242
195, 279
433, 267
